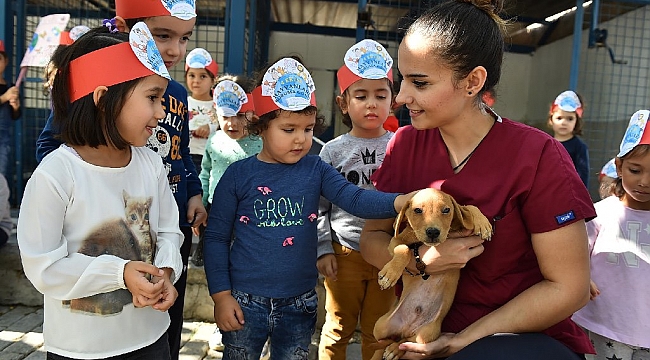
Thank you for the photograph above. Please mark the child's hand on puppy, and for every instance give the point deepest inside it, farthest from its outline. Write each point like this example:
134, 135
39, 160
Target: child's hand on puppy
401, 200
227, 312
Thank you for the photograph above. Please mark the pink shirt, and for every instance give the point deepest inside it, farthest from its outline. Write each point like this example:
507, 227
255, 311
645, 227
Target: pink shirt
619, 242
520, 178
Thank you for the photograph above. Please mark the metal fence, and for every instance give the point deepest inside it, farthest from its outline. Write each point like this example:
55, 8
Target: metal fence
614, 75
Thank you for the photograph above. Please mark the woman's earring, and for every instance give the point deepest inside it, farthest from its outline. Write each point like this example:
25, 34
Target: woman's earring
469, 93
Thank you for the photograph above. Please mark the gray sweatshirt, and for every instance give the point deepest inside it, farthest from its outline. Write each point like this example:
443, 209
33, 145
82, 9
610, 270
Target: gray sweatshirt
357, 159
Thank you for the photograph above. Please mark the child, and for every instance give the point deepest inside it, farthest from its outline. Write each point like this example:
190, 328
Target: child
9, 111
606, 178
617, 317
200, 72
260, 243
231, 143
172, 27
353, 293
234, 106
565, 118
93, 266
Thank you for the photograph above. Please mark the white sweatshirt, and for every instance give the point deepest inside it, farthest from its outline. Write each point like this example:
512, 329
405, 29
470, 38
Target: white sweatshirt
71, 226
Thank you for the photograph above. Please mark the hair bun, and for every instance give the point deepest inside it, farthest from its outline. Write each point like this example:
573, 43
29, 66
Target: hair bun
489, 6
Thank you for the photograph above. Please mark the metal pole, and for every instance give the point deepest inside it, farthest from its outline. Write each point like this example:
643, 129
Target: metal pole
235, 35
252, 24
577, 42
361, 30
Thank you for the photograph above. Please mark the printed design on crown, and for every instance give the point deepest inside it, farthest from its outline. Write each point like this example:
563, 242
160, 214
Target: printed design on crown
182, 9
634, 133
77, 31
229, 98
368, 59
198, 59
289, 85
146, 51
568, 101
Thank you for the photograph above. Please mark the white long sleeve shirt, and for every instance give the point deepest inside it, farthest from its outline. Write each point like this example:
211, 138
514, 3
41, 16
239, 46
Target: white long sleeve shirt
67, 200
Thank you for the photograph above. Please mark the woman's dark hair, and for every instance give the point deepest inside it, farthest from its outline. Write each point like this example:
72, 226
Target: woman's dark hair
347, 121
465, 34
262, 123
616, 188
82, 122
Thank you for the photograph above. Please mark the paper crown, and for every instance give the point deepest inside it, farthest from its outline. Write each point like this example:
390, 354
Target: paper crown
568, 101
2, 46
116, 64
230, 99
637, 132
200, 59
68, 37
138, 9
286, 85
609, 169
366, 59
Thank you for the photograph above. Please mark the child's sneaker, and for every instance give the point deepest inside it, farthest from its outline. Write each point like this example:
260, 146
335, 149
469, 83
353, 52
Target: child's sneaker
215, 341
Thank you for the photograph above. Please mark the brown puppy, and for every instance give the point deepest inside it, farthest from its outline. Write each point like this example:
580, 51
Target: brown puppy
417, 316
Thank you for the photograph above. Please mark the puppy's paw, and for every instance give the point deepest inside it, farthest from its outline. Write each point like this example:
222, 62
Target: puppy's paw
388, 278
483, 228
393, 352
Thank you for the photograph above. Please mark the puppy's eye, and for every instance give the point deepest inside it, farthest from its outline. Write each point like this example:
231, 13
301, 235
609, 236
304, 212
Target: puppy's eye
417, 210
446, 210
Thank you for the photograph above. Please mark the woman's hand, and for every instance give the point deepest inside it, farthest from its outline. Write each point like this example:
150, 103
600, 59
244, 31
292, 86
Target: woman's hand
446, 345
454, 253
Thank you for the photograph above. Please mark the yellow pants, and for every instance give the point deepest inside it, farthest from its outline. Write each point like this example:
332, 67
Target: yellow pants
355, 297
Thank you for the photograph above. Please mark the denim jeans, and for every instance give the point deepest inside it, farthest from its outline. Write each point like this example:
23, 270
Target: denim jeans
6, 143
156, 351
288, 322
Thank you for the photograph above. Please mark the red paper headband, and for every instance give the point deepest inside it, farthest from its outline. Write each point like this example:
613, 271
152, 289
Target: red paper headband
2, 46
265, 104
97, 68
137, 9
249, 105
65, 38
346, 77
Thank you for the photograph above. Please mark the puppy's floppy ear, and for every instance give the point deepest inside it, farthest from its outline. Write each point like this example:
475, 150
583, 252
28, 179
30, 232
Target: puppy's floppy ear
401, 217
463, 218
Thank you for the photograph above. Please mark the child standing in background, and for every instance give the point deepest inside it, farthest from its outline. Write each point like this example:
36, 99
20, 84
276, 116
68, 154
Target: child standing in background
235, 108
9, 112
353, 293
565, 118
617, 317
200, 72
172, 25
260, 242
98, 219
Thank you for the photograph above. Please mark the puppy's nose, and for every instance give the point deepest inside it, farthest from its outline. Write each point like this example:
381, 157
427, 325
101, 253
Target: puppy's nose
433, 233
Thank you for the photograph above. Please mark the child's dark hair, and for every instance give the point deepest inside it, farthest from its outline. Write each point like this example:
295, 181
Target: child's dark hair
577, 129
262, 123
616, 188
468, 33
347, 120
83, 123
245, 82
